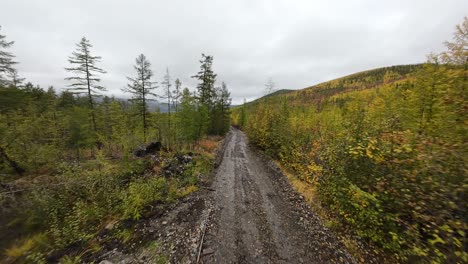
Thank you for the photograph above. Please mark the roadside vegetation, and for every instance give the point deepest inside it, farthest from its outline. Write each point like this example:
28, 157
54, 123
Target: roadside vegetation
384, 150
71, 183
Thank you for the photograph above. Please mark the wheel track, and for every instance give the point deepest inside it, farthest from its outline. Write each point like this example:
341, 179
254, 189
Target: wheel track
258, 218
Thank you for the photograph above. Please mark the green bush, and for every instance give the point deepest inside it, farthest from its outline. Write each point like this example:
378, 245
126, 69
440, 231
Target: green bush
142, 193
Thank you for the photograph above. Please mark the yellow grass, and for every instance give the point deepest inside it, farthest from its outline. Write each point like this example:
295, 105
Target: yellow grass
209, 145
26, 245
188, 190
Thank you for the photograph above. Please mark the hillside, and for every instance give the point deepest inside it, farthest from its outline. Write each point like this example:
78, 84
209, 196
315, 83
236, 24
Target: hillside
381, 153
275, 93
357, 81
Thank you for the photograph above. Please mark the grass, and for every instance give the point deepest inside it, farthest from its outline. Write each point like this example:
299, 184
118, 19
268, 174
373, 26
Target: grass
84, 199
156, 254
27, 245
209, 144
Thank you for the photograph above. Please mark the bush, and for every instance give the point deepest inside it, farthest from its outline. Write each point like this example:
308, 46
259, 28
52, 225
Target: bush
142, 193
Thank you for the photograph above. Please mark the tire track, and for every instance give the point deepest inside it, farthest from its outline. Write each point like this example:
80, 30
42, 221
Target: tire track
258, 218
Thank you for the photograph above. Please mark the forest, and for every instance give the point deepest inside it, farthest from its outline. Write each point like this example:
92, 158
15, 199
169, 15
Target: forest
76, 164
384, 152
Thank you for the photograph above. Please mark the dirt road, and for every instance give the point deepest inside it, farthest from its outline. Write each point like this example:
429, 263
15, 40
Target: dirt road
246, 213
258, 218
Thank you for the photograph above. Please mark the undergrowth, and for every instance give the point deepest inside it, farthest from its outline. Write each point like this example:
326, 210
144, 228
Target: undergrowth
60, 217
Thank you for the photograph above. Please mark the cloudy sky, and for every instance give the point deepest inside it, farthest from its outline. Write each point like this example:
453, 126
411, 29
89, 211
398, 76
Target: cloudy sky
296, 43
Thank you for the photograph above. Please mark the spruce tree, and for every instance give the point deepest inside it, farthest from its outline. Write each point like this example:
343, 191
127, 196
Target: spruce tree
207, 79
86, 80
141, 87
205, 95
6, 59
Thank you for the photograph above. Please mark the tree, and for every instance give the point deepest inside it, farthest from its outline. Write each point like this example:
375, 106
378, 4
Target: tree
458, 49
193, 117
176, 94
207, 79
221, 116
456, 97
243, 115
141, 87
187, 116
168, 95
6, 59
176, 97
16, 80
269, 86
206, 95
83, 64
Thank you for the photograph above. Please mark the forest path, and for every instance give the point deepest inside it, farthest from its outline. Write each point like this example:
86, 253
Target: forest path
258, 218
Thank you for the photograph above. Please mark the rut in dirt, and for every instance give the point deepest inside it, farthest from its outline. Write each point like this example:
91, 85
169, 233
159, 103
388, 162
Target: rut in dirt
258, 218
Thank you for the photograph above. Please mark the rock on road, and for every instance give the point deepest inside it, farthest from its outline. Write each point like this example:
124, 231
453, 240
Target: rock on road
259, 218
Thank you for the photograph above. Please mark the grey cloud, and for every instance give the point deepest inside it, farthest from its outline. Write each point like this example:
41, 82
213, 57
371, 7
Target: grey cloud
297, 43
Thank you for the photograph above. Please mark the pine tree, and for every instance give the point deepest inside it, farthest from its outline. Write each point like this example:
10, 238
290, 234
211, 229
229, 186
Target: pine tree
207, 79
141, 87
6, 59
83, 64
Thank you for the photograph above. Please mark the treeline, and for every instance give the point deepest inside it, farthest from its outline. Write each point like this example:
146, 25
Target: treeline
40, 128
69, 182
387, 157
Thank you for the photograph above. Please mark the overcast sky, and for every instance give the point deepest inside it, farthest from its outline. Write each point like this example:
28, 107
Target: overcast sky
296, 43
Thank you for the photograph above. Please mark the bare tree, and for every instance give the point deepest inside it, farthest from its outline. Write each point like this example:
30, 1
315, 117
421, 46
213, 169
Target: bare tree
269, 86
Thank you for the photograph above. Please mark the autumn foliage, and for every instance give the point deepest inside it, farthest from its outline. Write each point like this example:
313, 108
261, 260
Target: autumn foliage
386, 149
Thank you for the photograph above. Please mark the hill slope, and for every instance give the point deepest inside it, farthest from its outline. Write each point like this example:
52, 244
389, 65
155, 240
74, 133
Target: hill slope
384, 151
357, 81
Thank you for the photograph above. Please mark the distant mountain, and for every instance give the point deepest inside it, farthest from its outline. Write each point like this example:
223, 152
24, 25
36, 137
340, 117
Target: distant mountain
153, 105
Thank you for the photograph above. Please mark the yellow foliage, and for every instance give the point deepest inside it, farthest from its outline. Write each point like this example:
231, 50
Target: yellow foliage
188, 190
27, 245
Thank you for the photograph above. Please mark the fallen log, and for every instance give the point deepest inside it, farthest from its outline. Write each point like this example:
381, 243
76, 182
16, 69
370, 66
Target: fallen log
18, 169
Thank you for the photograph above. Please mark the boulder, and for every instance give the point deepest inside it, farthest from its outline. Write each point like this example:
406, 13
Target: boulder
151, 148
